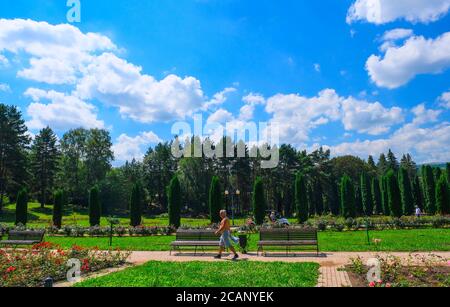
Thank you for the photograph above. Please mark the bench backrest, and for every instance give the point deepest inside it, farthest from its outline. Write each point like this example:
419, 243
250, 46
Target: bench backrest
197, 235
288, 234
37, 236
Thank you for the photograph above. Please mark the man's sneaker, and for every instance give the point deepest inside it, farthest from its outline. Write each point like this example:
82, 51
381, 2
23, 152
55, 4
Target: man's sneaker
218, 257
236, 257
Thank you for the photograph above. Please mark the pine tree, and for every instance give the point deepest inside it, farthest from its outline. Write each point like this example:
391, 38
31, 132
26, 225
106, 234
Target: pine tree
259, 202
58, 208
136, 205
174, 202
45, 158
301, 200
13, 151
408, 164
366, 194
382, 165
429, 189
376, 196
347, 198
442, 196
394, 197
215, 200
392, 161
22, 207
406, 192
94, 207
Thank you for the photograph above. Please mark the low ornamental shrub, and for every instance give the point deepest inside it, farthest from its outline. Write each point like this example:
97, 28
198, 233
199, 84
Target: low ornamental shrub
24, 267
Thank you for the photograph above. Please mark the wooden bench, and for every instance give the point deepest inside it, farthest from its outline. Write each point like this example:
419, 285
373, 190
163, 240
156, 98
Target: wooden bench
17, 238
288, 237
196, 239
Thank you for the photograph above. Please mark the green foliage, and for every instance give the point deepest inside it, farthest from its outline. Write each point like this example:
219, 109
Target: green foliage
429, 189
174, 198
347, 198
366, 194
136, 202
406, 192
377, 196
215, 200
384, 196
94, 207
394, 197
301, 200
22, 207
59, 200
259, 201
417, 193
442, 196
44, 163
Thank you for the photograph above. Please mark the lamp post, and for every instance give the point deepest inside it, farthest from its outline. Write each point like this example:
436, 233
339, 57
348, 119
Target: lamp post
237, 193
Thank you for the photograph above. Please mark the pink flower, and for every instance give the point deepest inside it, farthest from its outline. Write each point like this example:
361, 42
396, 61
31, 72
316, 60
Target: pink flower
380, 281
372, 284
10, 269
388, 285
448, 263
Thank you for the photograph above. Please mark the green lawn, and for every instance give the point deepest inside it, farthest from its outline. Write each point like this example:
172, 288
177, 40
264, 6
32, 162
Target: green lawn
211, 274
392, 240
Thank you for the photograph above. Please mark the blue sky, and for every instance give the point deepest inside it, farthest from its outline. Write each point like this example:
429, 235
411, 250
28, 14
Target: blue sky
351, 76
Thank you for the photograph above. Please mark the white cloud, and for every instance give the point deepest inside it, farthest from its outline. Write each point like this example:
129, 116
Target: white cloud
128, 148
444, 100
219, 98
251, 101
385, 11
427, 144
370, 118
397, 34
317, 67
3, 61
221, 116
62, 112
4, 88
417, 56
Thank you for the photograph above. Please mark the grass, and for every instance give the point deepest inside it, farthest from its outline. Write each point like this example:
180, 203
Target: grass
211, 274
354, 241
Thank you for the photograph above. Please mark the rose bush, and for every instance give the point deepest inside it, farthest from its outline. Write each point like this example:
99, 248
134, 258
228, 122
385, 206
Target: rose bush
30, 267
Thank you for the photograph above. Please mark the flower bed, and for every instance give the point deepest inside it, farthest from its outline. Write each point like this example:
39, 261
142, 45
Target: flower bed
416, 271
30, 267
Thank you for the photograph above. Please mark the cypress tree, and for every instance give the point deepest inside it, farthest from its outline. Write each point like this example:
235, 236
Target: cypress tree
447, 171
417, 193
301, 199
430, 190
259, 201
318, 196
215, 200
384, 196
347, 198
366, 194
174, 198
394, 197
437, 172
376, 196
311, 201
94, 207
406, 192
136, 205
358, 201
22, 207
58, 208
442, 196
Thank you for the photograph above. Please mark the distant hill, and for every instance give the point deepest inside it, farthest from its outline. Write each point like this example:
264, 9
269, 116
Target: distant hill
436, 164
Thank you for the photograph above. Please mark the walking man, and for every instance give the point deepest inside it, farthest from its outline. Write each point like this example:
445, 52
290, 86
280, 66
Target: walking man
225, 239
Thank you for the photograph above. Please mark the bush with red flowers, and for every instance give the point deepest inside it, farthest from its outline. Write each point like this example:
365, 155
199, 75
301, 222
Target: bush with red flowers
30, 267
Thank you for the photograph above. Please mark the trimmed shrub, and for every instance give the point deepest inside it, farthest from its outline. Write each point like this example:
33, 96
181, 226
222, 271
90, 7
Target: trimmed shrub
174, 199
136, 205
94, 207
259, 201
215, 200
301, 199
394, 197
22, 207
442, 196
58, 208
347, 198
